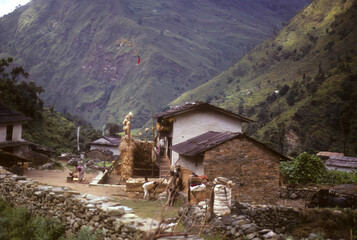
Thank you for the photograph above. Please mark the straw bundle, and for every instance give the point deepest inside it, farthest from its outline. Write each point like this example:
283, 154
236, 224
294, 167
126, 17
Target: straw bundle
127, 158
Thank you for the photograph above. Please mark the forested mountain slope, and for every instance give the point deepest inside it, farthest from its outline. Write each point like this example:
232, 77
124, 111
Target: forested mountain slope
300, 85
84, 53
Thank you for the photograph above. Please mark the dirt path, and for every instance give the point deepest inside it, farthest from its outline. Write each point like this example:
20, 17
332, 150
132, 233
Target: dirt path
59, 178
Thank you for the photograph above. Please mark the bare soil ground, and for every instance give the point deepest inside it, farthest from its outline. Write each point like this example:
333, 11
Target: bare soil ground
59, 178
143, 208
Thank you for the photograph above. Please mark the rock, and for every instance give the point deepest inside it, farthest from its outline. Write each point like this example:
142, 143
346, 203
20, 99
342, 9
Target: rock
227, 220
293, 196
313, 236
247, 226
96, 218
251, 236
243, 222
116, 211
264, 231
269, 235
50, 166
252, 229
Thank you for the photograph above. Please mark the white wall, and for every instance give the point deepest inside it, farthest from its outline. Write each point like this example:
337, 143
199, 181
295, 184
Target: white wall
195, 123
191, 164
16, 132
2, 133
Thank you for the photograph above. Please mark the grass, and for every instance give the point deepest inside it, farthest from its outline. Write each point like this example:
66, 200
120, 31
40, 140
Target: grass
151, 209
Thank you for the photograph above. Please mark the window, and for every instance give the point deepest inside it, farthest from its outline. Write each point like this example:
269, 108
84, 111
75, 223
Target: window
9, 129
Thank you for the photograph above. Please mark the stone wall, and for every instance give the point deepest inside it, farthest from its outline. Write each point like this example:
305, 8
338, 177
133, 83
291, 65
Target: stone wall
252, 167
248, 221
74, 209
295, 193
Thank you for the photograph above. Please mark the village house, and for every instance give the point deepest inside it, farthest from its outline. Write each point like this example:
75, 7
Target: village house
11, 131
253, 167
11, 143
110, 143
180, 123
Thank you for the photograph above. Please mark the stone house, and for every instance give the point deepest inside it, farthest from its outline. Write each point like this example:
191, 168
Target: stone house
11, 131
180, 123
253, 167
110, 143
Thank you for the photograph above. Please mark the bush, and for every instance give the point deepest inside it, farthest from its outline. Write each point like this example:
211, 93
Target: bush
338, 177
85, 234
17, 223
308, 168
305, 168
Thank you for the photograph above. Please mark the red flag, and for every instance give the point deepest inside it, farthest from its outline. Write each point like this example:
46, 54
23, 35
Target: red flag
138, 59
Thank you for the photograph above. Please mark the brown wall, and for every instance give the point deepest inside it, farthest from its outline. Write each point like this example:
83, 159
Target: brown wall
252, 167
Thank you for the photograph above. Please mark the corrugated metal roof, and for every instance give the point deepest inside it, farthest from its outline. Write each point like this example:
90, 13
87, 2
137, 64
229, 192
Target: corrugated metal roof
202, 143
9, 116
176, 110
342, 161
208, 140
115, 141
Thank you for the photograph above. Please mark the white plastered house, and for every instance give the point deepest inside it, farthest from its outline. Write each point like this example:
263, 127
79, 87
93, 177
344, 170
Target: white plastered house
108, 143
180, 123
11, 131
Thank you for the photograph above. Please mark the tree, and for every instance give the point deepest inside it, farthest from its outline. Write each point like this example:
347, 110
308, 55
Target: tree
112, 128
22, 96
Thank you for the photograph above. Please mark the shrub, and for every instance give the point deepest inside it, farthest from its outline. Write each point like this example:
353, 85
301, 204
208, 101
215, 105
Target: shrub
338, 177
305, 168
308, 168
17, 223
85, 234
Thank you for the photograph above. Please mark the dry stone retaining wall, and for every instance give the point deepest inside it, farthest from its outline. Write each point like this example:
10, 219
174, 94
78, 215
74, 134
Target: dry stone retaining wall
258, 222
74, 209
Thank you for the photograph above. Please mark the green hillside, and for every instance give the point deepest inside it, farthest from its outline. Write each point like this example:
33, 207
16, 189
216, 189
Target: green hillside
300, 85
84, 53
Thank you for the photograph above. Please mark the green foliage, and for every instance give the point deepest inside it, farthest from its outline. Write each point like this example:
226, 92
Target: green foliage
85, 234
17, 223
59, 131
21, 96
85, 67
317, 100
308, 168
305, 168
335, 177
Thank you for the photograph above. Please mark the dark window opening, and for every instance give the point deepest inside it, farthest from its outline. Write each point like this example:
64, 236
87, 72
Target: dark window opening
9, 130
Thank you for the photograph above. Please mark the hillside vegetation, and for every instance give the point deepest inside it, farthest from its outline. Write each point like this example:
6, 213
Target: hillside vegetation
46, 126
300, 85
84, 53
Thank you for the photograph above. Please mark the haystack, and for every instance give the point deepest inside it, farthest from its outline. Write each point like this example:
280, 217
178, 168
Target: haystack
127, 149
